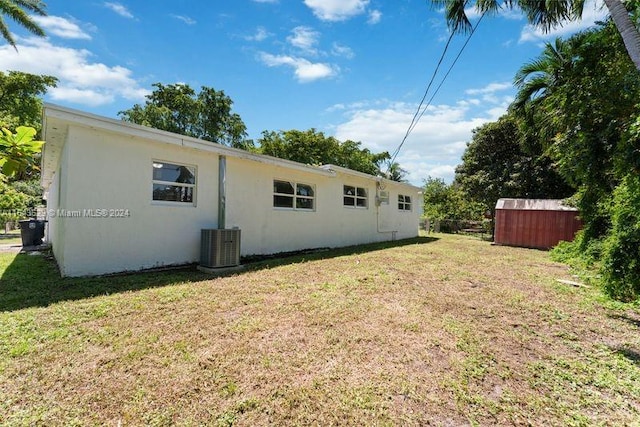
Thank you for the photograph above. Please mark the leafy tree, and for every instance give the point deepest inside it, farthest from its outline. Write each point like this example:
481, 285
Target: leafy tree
178, 108
546, 14
621, 257
20, 102
581, 116
448, 202
17, 199
494, 165
31, 189
314, 148
585, 114
12, 203
18, 10
18, 151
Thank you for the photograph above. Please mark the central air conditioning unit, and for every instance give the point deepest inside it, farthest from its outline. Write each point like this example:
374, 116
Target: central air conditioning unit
220, 248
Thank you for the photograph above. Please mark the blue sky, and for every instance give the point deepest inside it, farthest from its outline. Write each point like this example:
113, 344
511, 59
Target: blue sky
354, 69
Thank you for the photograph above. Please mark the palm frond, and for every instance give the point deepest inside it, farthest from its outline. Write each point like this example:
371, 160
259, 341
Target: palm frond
549, 13
454, 12
6, 34
531, 90
527, 70
36, 6
15, 9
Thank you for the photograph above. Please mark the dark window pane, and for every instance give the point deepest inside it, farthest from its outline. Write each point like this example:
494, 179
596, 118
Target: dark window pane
172, 193
304, 203
400, 198
282, 201
305, 190
401, 206
362, 203
349, 201
349, 191
407, 199
282, 187
173, 173
362, 192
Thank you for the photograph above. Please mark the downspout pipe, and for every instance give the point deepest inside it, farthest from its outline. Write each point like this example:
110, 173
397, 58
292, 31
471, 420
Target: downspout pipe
222, 192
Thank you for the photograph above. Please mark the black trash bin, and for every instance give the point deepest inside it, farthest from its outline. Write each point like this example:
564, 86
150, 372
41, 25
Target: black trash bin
32, 232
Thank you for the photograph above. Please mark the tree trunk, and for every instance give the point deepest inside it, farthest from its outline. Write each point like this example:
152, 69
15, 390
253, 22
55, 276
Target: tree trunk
627, 29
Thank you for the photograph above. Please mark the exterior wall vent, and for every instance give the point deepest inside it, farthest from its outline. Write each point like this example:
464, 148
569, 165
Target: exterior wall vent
220, 248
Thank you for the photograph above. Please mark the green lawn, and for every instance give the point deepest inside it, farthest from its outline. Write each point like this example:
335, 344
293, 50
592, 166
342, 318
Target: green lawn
431, 331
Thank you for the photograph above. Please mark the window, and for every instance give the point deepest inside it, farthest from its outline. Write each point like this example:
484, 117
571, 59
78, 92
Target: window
404, 202
355, 197
293, 195
173, 183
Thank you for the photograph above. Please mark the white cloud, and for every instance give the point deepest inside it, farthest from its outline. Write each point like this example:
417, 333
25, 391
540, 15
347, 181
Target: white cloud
490, 88
593, 11
435, 146
513, 13
305, 70
305, 39
472, 13
261, 34
81, 80
337, 10
89, 97
61, 27
374, 17
185, 19
340, 50
119, 9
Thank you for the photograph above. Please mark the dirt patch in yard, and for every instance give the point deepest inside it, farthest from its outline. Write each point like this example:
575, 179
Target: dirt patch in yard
451, 332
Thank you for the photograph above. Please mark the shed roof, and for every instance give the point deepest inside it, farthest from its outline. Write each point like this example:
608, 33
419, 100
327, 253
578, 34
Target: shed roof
533, 205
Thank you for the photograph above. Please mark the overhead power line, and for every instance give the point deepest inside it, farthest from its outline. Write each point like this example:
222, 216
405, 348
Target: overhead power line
420, 110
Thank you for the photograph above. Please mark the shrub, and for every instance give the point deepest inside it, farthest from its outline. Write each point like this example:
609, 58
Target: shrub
12, 204
621, 252
581, 253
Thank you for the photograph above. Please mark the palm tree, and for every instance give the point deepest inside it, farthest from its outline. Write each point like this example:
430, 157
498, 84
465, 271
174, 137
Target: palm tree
17, 10
396, 173
537, 81
546, 14
537, 78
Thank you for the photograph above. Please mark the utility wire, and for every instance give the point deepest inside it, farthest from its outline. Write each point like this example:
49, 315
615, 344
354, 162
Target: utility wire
449, 70
420, 111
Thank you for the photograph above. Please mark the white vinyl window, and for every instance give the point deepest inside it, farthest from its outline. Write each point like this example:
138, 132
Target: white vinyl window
293, 195
354, 197
404, 202
173, 182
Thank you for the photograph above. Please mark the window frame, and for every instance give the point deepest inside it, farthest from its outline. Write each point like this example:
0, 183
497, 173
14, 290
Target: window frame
355, 197
194, 186
294, 196
403, 204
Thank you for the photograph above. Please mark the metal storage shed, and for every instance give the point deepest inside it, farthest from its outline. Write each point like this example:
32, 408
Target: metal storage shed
534, 223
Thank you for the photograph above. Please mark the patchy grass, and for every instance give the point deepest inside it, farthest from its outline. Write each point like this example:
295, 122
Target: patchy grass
446, 331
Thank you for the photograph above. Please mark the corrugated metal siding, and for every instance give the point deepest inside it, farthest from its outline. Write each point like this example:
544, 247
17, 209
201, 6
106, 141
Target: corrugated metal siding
534, 228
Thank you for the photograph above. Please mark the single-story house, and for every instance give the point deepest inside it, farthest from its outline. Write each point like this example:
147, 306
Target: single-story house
535, 223
124, 197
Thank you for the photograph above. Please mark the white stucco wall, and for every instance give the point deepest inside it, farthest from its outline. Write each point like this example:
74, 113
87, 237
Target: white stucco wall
56, 195
111, 171
266, 229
